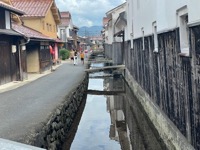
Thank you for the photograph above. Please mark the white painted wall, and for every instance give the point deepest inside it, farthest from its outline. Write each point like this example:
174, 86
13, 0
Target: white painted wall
144, 12
113, 15
70, 27
129, 27
67, 29
166, 17
110, 32
7, 16
194, 11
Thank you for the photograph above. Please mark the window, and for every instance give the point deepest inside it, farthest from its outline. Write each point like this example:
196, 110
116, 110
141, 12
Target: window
182, 17
155, 36
7, 16
47, 26
41, 47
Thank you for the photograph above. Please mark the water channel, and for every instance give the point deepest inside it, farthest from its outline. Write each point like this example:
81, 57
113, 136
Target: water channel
112, 118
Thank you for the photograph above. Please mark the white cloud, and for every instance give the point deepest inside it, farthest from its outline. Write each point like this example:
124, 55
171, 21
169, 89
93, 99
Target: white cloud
87, 12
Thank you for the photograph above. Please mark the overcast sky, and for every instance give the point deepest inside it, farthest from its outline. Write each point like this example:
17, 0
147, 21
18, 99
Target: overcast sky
87, 12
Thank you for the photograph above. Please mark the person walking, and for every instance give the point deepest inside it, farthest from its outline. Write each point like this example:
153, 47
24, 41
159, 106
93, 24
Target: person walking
82, 57
75, 57
72, 55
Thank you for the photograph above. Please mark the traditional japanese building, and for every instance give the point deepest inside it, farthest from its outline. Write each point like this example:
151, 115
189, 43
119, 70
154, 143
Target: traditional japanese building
11, 44
42, 16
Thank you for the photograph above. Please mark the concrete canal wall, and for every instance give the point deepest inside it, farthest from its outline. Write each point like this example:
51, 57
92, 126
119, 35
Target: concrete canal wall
54, 133
170, 79
167, 83
170, 134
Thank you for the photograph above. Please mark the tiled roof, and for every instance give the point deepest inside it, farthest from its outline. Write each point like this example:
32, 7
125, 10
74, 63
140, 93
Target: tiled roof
11, 8
65, 22
9, 32
33, 8
28, 32
65, 14
105, 21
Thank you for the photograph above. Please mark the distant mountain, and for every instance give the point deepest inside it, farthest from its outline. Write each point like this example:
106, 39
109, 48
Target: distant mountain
90, 31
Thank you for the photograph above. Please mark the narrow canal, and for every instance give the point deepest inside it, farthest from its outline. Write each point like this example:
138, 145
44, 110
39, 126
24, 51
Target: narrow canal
112, 118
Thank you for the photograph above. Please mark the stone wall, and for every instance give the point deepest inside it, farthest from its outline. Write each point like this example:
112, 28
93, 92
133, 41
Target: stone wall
54, 133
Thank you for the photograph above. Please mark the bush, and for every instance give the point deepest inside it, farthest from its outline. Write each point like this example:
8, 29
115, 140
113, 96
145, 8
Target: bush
64, 54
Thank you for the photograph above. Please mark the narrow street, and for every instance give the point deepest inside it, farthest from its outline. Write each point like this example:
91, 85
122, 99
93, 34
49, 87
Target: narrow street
23, 111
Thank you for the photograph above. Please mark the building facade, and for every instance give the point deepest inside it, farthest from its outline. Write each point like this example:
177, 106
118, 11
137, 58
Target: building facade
42, 17
67, 31
10, 44
162, 59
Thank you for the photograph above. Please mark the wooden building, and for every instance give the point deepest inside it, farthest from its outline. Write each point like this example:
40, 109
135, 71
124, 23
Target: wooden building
162, 55
37, 57
43, 17
10, 45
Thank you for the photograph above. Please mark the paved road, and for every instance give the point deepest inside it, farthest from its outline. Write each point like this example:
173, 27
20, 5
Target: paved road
24, 110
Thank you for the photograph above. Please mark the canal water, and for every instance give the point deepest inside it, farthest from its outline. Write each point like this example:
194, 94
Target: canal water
113, 119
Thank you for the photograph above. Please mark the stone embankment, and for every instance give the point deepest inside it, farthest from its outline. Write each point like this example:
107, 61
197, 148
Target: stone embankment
54, 133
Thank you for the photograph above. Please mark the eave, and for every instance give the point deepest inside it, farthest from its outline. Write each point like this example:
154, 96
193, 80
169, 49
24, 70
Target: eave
10, 8
56, 13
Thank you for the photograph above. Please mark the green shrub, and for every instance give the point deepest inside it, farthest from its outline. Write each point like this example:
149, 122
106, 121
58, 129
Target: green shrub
64, 54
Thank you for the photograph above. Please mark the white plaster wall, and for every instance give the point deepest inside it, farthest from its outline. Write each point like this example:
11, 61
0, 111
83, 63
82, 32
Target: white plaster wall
7, 16
166, 14
194, 11
113, 15
110, 34
129, 13
70, 27
58, 31
144, 14
67, 31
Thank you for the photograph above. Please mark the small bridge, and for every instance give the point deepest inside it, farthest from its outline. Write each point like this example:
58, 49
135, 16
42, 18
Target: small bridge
119, 67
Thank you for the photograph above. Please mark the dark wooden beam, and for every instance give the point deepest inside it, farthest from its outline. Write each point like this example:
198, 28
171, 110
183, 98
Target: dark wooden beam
105, 68
96, 92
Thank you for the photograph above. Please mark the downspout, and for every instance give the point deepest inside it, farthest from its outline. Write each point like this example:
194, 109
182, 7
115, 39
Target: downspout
20, 62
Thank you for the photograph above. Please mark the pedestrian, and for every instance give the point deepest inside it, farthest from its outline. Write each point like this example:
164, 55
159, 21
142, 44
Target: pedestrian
75, 58
82, 57
72, 55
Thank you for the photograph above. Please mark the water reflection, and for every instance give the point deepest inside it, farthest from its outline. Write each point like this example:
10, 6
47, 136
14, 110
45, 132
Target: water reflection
114, 122
129, 124
94, 126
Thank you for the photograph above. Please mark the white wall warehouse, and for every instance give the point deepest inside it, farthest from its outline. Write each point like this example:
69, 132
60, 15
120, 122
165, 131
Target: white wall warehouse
144, 13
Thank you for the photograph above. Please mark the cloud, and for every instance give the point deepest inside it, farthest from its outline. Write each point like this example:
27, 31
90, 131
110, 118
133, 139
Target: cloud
87, 12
